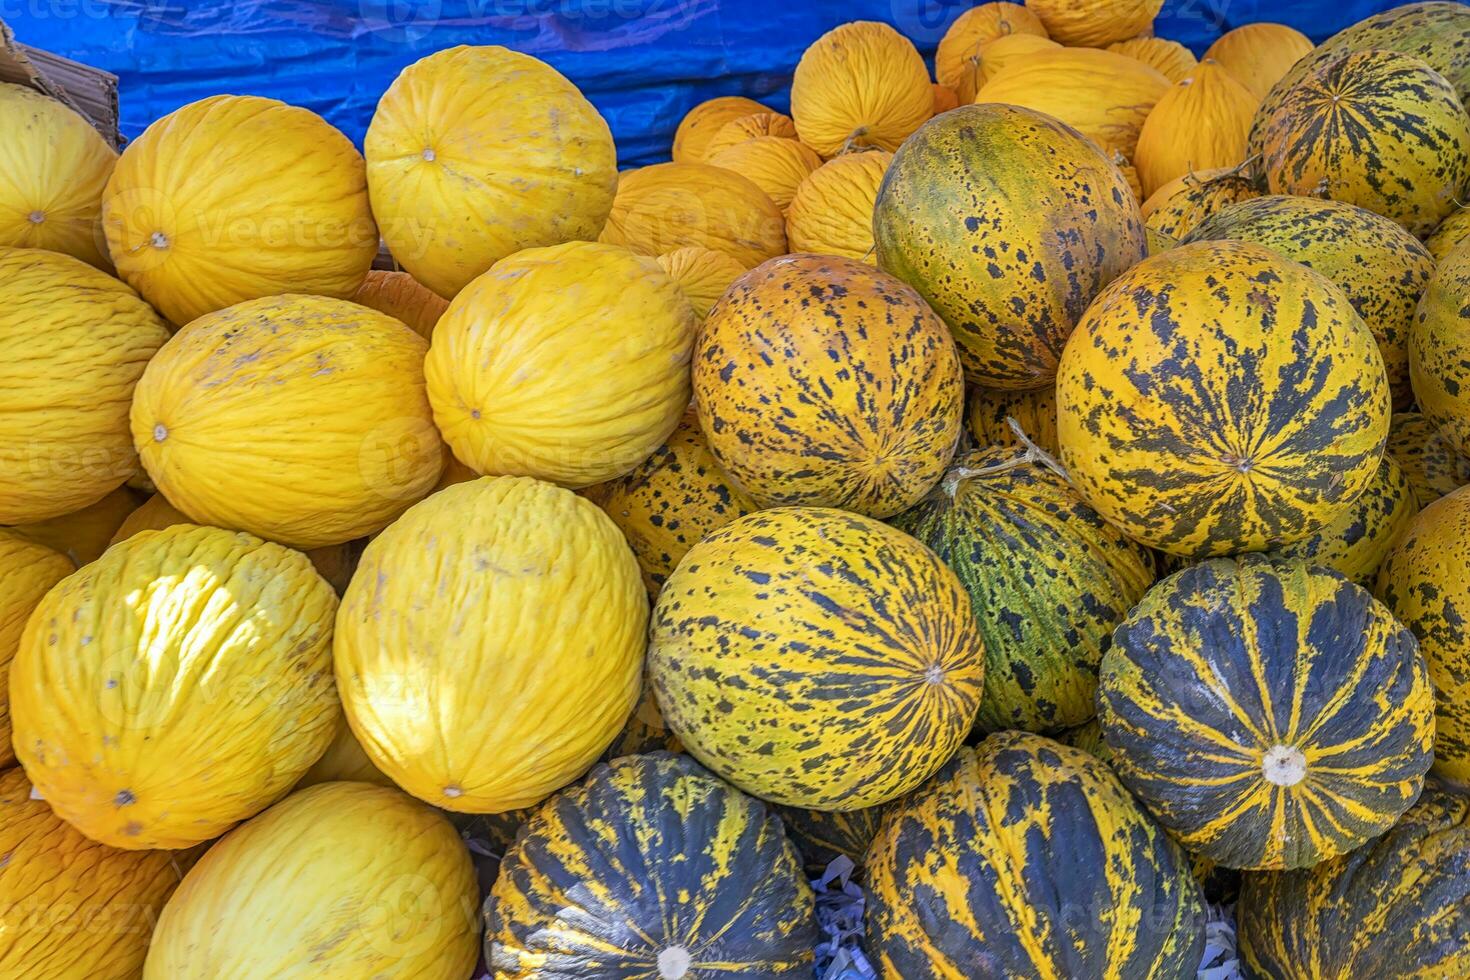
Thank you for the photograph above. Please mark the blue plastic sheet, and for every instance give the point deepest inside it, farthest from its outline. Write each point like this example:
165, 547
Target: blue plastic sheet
643, 63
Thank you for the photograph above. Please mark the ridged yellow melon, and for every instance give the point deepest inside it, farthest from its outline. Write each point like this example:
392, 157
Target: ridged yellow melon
402, 297
674, 205
962, 50
344, 761
990, 412
860, 84
700, 124
750, 127
236, 197
1201, 123
73, 908
53, 168
179, 684
1095, 23
475, 153
775, 164
228, 420
1176, 208
832, 211
702, 274
1433, 468
491, 644
569, 364
1451, 233
73, 343
27, 572
342, 880
1104, 95
1173, 60
83, 535
1259, 54
1003, 51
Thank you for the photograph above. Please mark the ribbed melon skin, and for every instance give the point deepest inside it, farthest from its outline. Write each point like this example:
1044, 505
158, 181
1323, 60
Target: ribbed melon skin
988, 413
1024, 857
1427, 457
1232, 672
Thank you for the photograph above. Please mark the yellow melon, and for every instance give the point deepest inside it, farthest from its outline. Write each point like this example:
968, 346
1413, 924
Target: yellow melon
737, 131
1450, 234
701, 123
1094, 23
53, 167
957, 61
775, 164
73, 342
1201, 123
229, 420
1002, 52
27, 572
237, 197
344, 761
701, 274
832, 211
402, 297
1173, 60
945, 98
83, 535
860, 84
1173, 210
1258, 55
179, 684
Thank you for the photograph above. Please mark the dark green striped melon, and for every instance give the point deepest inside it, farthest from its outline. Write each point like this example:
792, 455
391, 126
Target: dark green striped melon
1427, 457
1048, 581
1396, 907
1268, 713
650, 868
1024, 857
822, 837
1008, 223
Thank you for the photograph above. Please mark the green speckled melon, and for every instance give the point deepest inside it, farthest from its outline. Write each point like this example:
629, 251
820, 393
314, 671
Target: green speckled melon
822, 837
1427, 457
1439, 350
989, 413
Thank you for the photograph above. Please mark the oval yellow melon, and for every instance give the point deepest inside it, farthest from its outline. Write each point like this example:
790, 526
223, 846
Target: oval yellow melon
750, 127
53, 168
775, 164
825, 382
1095, 23
499, 585
1451, 233
702, 274
179, 684
228, 420
1439, 350
958, 60
402, 297
83, 536
700, 124
945, 98
1433, 468
1218, 398
73, 343
1201, 123
674, 205
831, 213
569, 364
475, 153
1177, 207
1172, 60
236, 197
27, 572
1003, 51
342, 880
1258, 55
860, 84
73, 908
344, 761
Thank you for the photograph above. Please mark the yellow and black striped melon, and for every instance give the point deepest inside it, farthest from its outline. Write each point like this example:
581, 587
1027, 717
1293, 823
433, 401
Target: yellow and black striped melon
823, 381
816, 658
1381, 267
822, 837
1452, 232
1269, 714
990, 410
1024, 857
1397, 907
1048, 579
1008, 223
1218, 398
1430, 463
1378, 129
1439, 350
1173, 210
651, 868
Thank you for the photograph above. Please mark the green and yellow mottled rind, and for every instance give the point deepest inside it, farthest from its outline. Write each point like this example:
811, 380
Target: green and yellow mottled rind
990, 410
1381, 267
1452, 232
821, 837
1048, 579
1173, 210
1428, 460
1378, 129
650, 855
816, 658
1269, 714
1439, 350
1398, 907
1218, 398
1008, 222
1358, 540
1024, 857
820, 380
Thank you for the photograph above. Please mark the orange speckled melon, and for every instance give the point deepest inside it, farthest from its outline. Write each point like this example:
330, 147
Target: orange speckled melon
236, 197
702, 274
745, 128
1429, 461
674, 205
860, 84
569, 364
945, 98
400, 295
1095, 23
775, 164
73, 908
475, 153
344, 880
501, 584
1439, 350
1008, 223
962, 50
83, 536
53, 168
700, 124
1174, 209
1218, 398
228, 420
178, 684
832, 211
823, 381
1451, 233
1201, 123
1259, 54
73, 343
1172, 59
27, 572
989, 413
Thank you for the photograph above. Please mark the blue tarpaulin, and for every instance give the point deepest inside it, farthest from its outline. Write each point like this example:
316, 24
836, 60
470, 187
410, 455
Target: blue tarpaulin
643, 63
